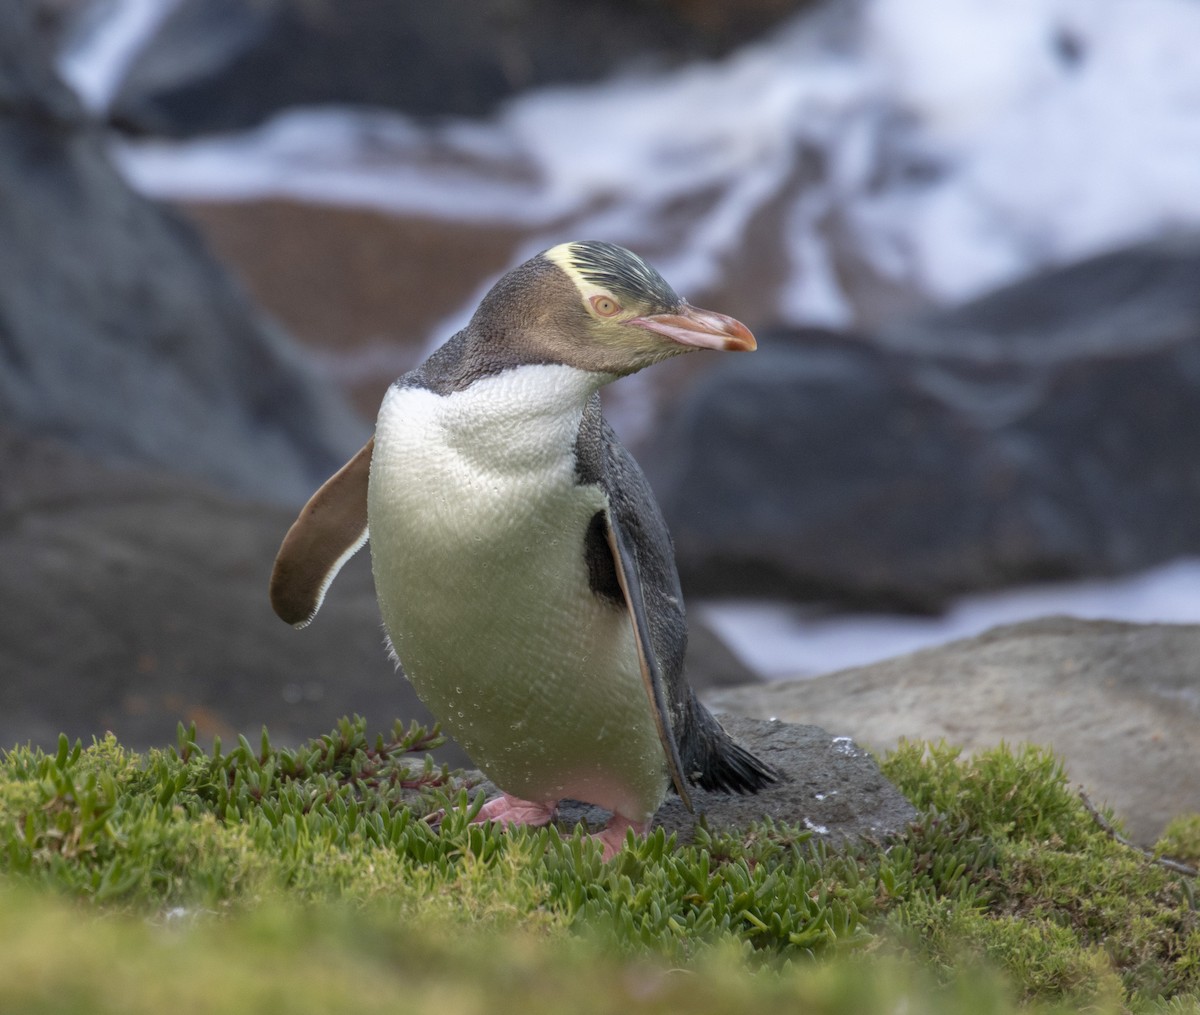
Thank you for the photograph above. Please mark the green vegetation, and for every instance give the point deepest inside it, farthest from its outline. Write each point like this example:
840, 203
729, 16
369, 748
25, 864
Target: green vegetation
310, 880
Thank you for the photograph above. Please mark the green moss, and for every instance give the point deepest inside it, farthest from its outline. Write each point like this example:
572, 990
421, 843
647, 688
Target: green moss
999, 794
324, 862
1181, 839
1053, 900
279, 956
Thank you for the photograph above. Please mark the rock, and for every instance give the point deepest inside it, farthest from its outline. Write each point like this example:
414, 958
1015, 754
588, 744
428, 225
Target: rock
362, 289
134, 600
1118, 703
55, 20
29, 89
218, 65
1045, 431
776, 475
119, 333
1140, 299
710, 664
833, 788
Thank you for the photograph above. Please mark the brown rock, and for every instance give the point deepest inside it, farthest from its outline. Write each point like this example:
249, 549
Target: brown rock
363, 289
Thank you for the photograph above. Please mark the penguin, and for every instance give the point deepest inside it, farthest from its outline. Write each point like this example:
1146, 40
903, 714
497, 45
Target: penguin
525, 575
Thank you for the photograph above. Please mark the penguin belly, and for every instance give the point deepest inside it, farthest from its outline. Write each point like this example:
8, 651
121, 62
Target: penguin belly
477, 529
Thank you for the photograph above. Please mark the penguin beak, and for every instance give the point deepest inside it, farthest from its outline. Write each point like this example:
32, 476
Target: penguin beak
702, 329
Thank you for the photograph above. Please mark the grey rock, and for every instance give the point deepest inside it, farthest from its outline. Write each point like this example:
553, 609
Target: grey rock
134, 600
709, 663
119, 333
1118, 703
832, 787
1140, 298
1045, 431
28, 86
226, 64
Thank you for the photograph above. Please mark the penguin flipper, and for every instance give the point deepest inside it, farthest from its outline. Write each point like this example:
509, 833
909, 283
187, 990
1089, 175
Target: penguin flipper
652, 677
330, 529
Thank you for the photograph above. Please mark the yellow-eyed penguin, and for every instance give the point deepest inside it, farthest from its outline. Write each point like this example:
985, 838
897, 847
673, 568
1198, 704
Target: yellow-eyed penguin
524, 571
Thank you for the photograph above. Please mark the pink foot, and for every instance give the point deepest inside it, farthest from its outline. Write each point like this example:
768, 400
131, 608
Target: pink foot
612, 836
509, 810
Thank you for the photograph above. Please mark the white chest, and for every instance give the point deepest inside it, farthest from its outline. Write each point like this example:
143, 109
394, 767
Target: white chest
477, 488
477, 537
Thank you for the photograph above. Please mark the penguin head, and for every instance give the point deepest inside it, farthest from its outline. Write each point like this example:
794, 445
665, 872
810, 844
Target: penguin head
600, 307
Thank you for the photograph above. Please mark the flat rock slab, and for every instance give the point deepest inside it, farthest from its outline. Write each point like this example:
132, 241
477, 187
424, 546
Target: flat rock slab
833, 788
1119, 703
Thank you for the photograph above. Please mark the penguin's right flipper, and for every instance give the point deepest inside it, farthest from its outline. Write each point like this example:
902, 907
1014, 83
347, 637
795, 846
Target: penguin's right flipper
330, 529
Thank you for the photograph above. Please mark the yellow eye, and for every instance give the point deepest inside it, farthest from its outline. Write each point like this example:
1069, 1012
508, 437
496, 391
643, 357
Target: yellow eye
605, 306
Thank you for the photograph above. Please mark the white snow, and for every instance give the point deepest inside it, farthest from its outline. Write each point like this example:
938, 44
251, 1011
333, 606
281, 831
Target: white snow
1047, 158
95, 59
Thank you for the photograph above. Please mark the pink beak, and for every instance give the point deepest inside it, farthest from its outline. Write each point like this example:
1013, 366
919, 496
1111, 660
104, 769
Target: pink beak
704, 329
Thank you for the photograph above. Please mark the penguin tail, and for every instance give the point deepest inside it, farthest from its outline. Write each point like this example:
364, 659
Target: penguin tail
733, 769
720, 763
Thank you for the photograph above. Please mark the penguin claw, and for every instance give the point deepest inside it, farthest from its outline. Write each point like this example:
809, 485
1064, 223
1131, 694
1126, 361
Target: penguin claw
510, 810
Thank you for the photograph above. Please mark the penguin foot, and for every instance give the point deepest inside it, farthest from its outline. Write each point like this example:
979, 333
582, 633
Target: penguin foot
510, 810
612, 836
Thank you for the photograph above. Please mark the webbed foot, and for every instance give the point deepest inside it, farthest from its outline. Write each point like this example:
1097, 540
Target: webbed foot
612, 836
510, 810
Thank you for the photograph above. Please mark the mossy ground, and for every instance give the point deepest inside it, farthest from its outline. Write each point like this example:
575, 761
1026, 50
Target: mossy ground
310, 880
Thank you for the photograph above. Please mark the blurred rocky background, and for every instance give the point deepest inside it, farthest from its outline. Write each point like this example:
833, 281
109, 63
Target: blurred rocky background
968, 238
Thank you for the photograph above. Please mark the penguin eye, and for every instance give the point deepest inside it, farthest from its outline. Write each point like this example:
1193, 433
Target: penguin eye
605, 306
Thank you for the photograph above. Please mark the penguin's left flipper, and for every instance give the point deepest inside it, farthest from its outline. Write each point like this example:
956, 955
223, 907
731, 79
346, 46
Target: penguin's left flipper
697, 748
652, 678
330, 529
